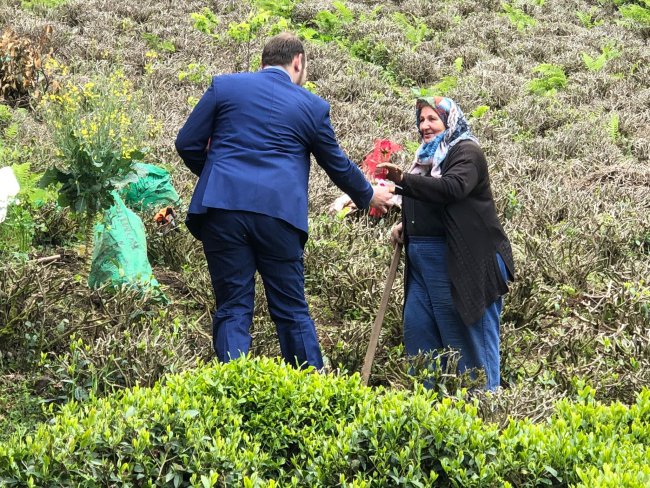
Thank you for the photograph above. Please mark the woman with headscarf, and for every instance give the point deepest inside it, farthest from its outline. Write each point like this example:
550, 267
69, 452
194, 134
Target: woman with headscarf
459, 260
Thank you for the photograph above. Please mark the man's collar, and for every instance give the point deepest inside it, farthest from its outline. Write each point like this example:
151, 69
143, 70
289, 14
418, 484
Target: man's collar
280, 68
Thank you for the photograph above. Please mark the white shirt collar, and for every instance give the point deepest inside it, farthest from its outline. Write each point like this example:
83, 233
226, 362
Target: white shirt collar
281, 68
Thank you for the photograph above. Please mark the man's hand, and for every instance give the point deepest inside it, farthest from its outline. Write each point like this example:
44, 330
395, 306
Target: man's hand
381, 198
393, 172
396, 234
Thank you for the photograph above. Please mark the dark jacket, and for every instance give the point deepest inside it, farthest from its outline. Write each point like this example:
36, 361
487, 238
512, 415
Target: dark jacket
262, 129
473, 232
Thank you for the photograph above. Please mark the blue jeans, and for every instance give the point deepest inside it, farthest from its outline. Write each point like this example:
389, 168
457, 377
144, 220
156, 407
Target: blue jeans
236, 244
431, 321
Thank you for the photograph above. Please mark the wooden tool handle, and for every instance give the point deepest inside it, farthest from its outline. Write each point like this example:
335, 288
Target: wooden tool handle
376, 328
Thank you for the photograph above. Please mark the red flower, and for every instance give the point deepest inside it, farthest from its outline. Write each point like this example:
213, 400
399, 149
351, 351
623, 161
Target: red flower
381, 153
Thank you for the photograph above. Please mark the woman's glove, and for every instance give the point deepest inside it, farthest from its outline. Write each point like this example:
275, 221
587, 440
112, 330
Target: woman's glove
393, 172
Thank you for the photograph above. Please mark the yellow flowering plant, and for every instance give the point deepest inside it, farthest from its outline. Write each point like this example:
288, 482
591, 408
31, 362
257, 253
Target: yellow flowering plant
99, 129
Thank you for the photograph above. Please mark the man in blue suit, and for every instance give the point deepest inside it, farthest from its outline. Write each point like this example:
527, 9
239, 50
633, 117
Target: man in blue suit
249, 140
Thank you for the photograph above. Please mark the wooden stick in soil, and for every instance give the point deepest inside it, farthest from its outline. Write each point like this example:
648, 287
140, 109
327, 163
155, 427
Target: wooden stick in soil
45, 260
376, 328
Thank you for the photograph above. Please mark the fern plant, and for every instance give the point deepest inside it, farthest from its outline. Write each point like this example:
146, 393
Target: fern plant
587, 18
330, 24
608, 52
415, 31
5, 114
518, 17
278, 8
637, 13
442, 88
552, 78
344, 13
613, 127
18, 229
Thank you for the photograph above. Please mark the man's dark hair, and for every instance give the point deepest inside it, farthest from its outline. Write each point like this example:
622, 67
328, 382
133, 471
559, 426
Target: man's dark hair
281, 49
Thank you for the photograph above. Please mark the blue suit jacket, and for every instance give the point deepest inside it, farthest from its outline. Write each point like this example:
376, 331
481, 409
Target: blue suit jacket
262, 129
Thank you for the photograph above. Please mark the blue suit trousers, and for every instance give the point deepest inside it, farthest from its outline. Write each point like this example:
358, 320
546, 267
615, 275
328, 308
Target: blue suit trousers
236, 245
431, 321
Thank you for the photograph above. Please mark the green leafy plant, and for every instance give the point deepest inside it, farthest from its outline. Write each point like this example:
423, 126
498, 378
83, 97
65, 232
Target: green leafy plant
36, 4
343, 12
415, 30
328, 25
613, 127
458, 65
513, 206
480, 111
372, 15
196, 74
19, 226
372, 51
588, 18
311, 86
247, 31
282, 25
518, 17
278, 8
99, 130
218, 425
18, 230
608, 52
442, 88
636, 13
206, 21
156, 43
551, 79
5, 115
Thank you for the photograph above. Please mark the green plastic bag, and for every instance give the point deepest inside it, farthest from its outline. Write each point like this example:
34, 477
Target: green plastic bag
120, 251
153, 189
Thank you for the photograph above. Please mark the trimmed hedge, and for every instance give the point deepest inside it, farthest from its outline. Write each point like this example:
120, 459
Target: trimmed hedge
258, 423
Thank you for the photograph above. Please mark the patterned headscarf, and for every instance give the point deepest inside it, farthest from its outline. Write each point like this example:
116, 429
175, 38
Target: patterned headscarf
430, 155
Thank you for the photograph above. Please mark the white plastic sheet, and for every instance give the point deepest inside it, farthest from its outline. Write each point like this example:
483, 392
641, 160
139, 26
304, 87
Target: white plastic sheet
9, 188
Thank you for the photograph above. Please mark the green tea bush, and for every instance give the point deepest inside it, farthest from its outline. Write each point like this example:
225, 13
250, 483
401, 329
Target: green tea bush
259, 423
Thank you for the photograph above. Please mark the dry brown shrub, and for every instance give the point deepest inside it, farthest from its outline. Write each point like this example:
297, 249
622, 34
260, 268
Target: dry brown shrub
23, 77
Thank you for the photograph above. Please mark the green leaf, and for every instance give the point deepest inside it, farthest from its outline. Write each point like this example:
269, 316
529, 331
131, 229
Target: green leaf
53, 175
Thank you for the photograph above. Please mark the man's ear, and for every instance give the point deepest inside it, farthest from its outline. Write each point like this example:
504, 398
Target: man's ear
297, 61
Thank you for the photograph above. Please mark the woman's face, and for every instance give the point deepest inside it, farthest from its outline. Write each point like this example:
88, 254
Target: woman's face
430, 124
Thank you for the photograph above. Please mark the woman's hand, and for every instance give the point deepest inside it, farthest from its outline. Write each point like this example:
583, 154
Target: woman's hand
396, 234
393, 172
